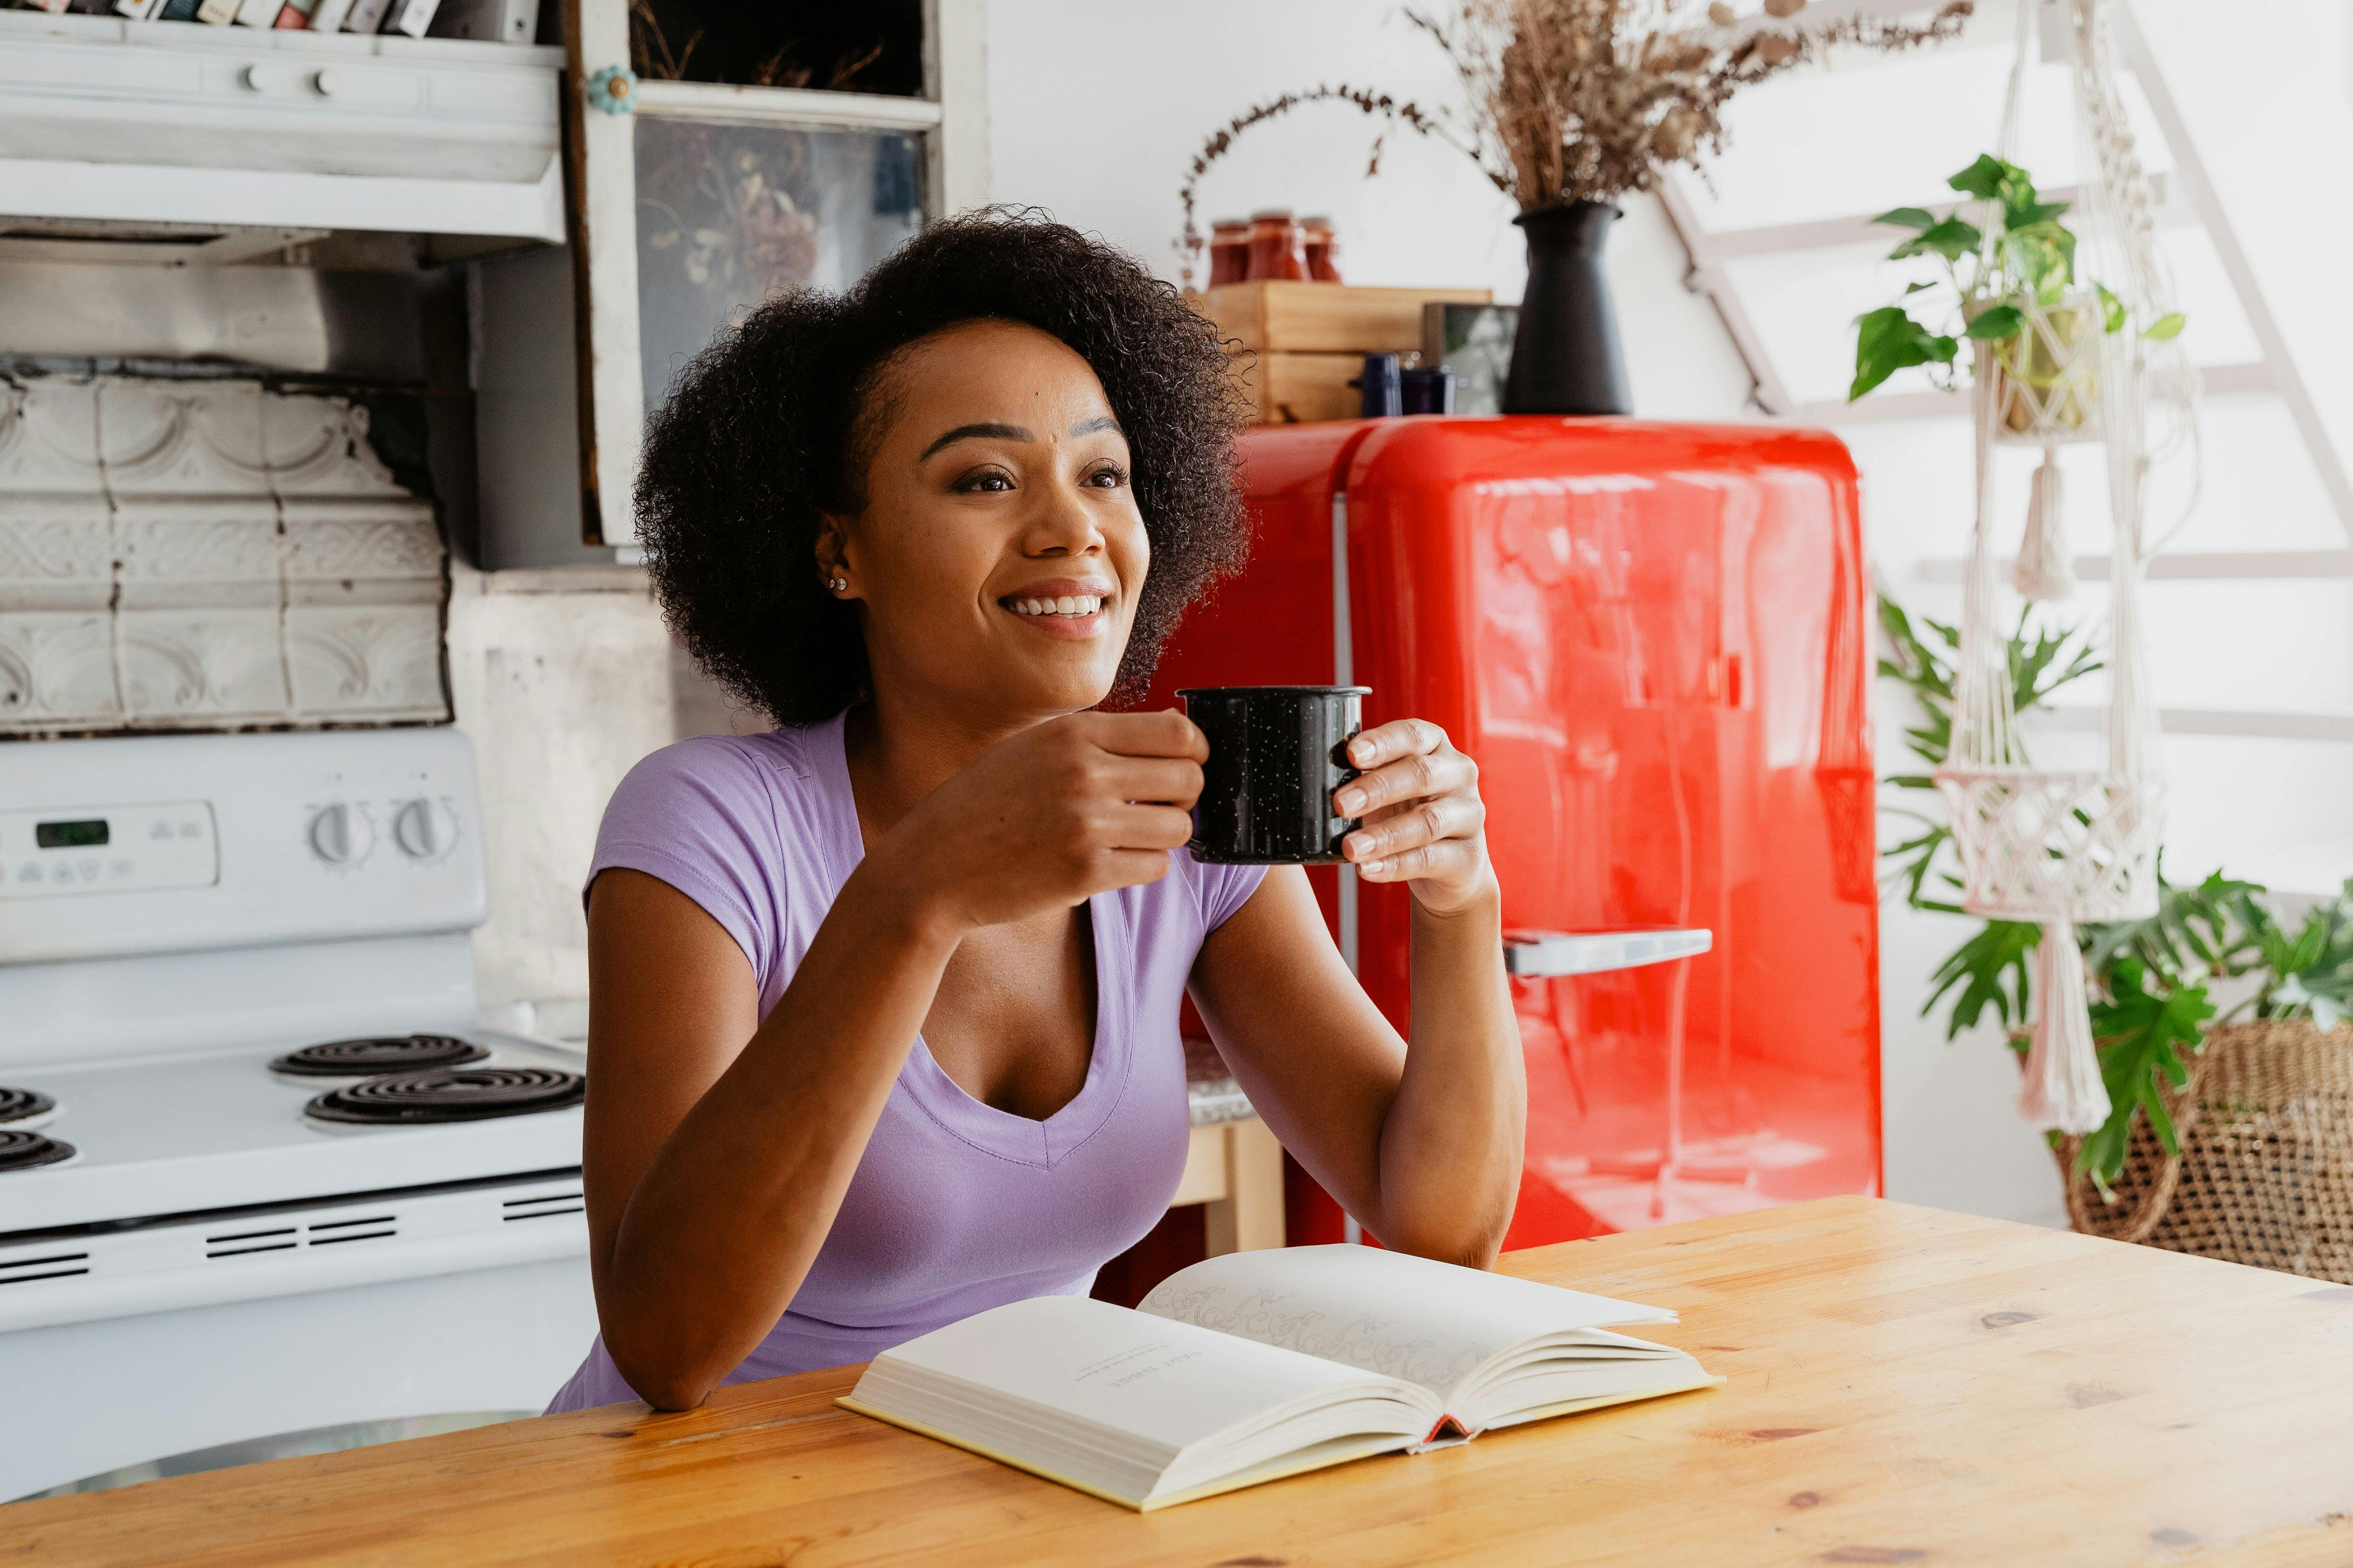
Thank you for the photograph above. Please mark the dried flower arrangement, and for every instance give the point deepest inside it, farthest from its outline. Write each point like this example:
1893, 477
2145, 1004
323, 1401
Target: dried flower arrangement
1570, 99
652, 57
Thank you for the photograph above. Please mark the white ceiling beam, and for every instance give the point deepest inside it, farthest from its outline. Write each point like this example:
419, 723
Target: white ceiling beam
2239, 722
2197, 567
1824, 13
2214, 381
1714, 247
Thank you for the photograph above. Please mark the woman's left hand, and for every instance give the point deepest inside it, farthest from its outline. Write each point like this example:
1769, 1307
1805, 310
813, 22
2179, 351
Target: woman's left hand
1424, 824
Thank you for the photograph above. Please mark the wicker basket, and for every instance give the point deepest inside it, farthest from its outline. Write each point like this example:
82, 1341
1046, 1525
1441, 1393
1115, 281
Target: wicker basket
2266, 1172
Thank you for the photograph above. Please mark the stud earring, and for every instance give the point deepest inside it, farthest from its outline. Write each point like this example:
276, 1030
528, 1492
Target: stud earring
840, 584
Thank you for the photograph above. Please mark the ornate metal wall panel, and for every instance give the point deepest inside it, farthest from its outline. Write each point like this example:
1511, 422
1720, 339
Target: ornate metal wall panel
208, 555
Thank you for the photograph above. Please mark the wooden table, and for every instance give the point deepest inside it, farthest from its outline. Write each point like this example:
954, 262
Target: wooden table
1906, 1386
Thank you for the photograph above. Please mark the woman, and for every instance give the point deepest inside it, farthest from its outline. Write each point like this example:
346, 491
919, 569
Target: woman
885, 1000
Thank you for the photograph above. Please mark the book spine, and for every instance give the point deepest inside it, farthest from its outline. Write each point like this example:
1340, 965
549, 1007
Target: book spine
329, 17
258, 12
216, 13
491, 21
178, 10
461, 19
138, 10
294, 16
411, 16
365, 16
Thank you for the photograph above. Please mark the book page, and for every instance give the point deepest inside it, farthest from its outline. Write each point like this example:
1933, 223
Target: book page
1151, 1383
1425, 1321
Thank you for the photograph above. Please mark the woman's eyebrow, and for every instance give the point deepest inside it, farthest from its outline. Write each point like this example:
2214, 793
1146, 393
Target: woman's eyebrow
978, 432
1102, 422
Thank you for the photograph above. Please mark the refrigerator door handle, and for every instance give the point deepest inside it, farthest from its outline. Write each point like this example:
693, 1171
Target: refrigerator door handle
1533, 954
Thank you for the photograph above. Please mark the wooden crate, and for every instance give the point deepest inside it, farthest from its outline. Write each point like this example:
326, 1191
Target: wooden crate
1326, 318
1297, 389
1298, 345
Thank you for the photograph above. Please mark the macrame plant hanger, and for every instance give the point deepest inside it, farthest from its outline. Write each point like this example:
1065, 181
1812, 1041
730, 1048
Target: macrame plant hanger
2055, 847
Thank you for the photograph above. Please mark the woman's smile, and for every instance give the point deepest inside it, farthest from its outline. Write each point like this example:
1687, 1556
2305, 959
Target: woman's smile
1073, 608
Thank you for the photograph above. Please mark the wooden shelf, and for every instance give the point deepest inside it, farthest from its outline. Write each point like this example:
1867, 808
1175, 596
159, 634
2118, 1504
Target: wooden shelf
785, 106
108, 121
75, 28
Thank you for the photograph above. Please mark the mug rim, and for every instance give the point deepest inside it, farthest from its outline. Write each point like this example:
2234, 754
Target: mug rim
1274, 691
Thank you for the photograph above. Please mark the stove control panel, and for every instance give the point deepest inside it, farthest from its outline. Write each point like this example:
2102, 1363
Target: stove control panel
179, 844
66, 852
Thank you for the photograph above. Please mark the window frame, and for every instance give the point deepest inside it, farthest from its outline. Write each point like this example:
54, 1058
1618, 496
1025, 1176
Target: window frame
600, 181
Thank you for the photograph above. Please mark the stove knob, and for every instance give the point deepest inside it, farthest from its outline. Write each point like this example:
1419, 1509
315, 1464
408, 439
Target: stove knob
340, 834
424, 829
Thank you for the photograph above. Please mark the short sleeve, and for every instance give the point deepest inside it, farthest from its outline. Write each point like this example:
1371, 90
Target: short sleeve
701, 815
1223, 890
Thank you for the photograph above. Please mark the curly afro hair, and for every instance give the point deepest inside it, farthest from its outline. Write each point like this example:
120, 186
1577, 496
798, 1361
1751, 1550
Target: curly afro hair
769, 427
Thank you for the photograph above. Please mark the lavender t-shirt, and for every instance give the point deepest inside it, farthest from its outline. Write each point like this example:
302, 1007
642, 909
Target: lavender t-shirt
956, 1207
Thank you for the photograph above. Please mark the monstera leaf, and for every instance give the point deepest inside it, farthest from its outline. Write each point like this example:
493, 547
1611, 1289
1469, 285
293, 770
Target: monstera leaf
2142, 1034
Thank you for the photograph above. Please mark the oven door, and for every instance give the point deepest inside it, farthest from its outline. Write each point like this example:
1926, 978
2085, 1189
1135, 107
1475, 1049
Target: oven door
434, 1333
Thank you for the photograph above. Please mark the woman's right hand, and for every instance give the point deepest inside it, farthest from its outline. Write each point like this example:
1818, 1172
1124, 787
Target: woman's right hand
1047, 819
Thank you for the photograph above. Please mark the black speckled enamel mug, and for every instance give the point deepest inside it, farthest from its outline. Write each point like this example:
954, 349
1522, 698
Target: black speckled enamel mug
1276, 754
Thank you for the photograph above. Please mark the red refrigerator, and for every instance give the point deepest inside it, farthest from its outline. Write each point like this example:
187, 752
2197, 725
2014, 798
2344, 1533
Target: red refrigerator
1653, 640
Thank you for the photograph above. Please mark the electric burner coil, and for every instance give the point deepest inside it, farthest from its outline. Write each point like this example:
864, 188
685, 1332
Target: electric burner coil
22, 1151
377, 1054
23, 1104
459, 1094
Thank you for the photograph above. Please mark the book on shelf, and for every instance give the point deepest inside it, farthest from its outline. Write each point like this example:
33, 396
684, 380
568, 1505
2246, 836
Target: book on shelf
410, 16
365, 16
217, 13
490, 21
1262, 1364
329, 17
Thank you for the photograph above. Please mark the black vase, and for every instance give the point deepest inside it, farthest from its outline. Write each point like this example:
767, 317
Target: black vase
1566, 359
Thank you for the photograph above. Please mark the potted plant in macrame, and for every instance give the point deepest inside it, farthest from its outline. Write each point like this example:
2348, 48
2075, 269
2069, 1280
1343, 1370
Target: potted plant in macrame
1570, 104
2221, 1029
2011, 284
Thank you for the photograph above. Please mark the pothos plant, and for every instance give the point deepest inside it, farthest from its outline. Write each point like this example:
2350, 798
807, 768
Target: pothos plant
2024, 259
2157, 983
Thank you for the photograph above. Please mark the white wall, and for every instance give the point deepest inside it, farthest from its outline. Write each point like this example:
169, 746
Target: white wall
1096, 111
564, 680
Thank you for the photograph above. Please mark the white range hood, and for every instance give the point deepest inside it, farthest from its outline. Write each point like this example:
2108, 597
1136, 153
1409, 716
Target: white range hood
109, 125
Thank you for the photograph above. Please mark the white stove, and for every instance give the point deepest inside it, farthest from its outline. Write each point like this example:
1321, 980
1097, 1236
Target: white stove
199, 1259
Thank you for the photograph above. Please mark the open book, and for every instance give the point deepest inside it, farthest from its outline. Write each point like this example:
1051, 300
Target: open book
1260, 1364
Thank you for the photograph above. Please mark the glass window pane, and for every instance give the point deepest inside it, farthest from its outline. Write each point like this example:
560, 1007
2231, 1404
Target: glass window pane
730, 214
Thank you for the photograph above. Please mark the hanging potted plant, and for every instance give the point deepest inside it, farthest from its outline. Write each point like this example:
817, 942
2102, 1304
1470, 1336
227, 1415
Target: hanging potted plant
2224, 1033
2009, 284
2040, 333
1570, 105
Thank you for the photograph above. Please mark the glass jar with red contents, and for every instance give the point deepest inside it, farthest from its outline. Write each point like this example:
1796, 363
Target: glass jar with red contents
1229, 250
1278, 245
1322, 249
